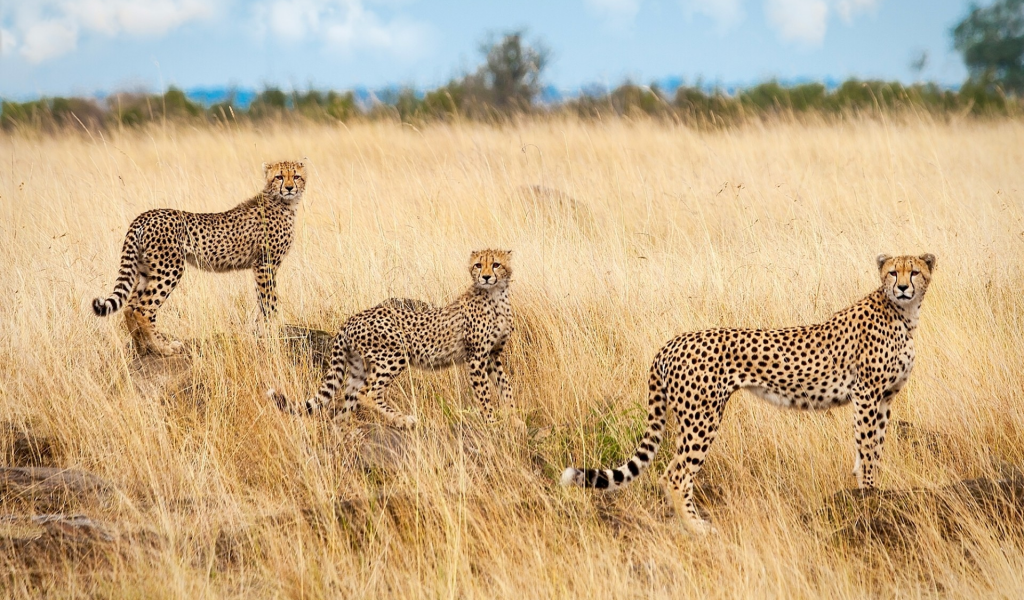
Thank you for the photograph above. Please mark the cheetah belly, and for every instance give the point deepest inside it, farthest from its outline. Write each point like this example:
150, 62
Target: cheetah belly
435, 349
220, 258
817, 394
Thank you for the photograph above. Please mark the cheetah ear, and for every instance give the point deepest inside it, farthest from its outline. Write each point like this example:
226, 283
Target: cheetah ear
881, 258
302, 163
266, 168
929, 259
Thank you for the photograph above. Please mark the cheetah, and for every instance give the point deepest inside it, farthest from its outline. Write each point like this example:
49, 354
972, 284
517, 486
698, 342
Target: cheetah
255, 235
375, 346
863, 354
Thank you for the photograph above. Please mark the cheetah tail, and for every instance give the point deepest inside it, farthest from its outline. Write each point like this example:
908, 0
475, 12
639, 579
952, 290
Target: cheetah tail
611, 479
127, 275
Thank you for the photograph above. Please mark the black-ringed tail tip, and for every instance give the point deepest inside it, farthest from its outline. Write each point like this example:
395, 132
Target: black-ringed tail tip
569, 477
103, 307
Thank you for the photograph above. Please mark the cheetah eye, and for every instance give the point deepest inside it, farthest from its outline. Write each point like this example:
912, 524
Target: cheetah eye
915, 273
278, 177
495, 265
298, 177
892, 273
478, 266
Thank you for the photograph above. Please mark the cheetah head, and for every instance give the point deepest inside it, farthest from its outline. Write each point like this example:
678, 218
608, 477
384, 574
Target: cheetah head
490, 268
906, 278
285, 180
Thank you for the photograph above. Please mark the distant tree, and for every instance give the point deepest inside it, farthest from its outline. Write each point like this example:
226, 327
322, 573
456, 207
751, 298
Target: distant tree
270, 103
511, 72
991, 40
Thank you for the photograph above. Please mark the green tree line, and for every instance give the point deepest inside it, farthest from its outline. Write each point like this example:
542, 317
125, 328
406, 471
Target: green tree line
507, 85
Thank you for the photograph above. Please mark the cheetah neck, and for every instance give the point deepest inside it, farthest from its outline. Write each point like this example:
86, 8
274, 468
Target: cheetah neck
276, 202
908, 313
496, 296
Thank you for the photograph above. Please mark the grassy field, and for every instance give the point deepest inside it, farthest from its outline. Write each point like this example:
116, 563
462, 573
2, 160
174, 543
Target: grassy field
642, 231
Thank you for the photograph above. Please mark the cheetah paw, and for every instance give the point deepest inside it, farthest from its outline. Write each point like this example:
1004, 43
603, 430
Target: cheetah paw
700, 527
404, 422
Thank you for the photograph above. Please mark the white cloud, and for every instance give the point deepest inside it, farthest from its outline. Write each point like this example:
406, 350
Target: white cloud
618, 14
48, 39
806, 21
51, 28
847, 9
7, 42
342, 25
798, 20
725, 13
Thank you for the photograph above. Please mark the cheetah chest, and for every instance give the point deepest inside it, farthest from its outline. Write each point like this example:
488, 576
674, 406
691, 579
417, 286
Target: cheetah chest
904, 365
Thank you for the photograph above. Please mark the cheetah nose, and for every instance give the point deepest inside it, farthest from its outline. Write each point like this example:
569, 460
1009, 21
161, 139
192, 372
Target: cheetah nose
902, 287
289, 187
486, 278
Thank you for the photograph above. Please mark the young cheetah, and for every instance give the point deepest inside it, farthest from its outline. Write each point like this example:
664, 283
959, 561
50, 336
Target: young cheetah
376, 345
255, 235
863, 354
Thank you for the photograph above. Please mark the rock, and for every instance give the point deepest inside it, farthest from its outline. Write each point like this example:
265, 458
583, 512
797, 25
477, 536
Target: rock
157, 376
52, 488
38, 540
920, 437
379, 446
554, 205
308, 343
21, 446
892, 516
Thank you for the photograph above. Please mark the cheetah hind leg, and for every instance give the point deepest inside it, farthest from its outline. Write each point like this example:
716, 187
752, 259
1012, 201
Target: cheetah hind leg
379, 377
150, 294
678, 484
145, 336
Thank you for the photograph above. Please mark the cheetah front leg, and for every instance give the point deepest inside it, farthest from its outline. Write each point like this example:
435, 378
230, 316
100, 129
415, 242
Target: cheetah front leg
872, 416
496, 371
478, 378
266, 288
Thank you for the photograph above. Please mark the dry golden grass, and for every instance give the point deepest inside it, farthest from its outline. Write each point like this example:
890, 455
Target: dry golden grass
673, 230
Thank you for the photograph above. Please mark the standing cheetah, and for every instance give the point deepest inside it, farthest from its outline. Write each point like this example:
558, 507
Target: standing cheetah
255, 235
376, 345
863, 354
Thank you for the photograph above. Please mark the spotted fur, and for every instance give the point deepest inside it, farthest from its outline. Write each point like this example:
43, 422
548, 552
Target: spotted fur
378, 344
863, 354
255, 235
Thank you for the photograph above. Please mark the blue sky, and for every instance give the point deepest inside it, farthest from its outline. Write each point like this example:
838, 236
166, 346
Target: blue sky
63, 47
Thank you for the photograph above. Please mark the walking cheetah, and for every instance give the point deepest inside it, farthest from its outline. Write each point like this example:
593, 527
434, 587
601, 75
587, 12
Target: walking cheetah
863, 354
255, 235
376, 345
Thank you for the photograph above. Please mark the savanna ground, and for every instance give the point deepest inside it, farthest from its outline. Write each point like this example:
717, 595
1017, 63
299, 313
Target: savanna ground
217, 494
